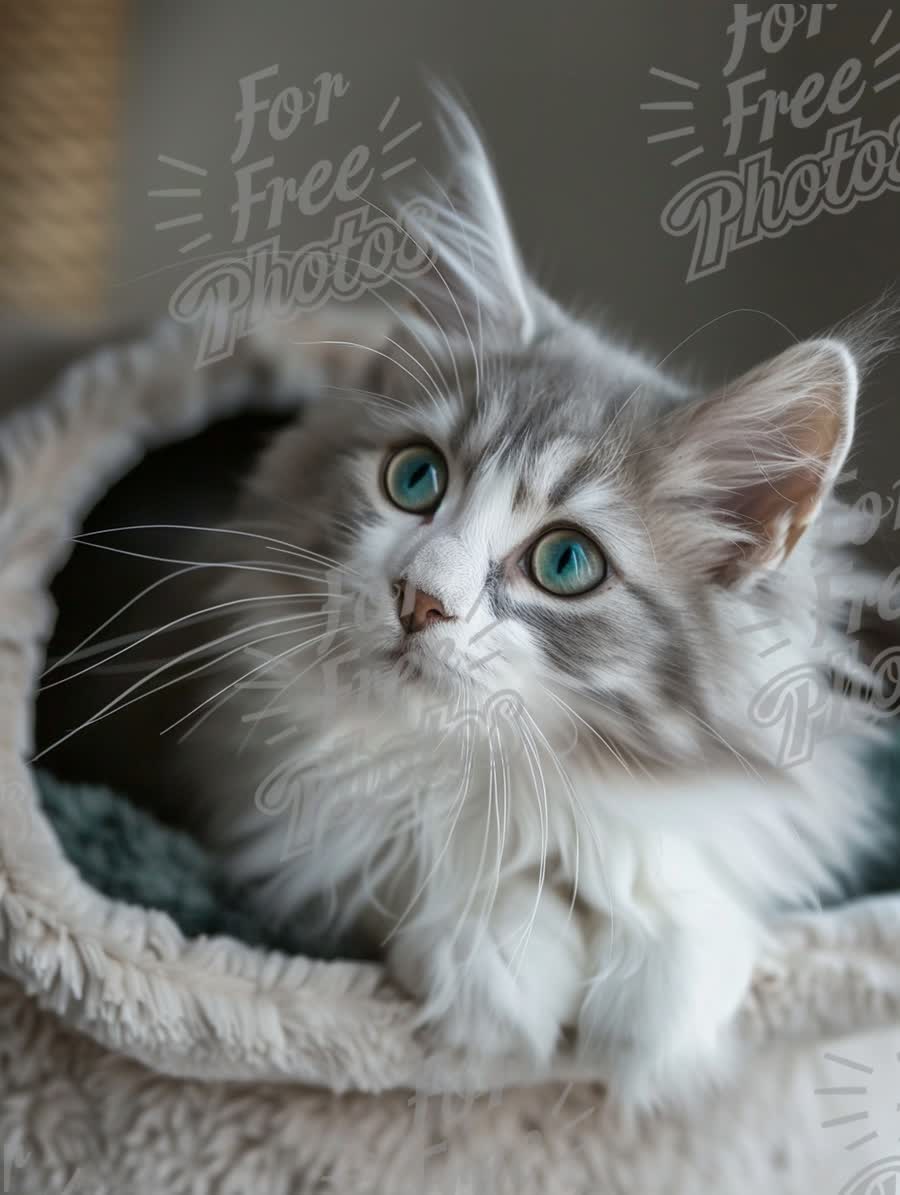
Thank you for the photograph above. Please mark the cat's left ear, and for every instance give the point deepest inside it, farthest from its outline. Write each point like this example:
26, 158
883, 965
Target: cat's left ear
473, 282
770, 447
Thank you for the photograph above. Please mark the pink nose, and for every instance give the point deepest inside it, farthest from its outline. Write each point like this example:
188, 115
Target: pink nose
418, 609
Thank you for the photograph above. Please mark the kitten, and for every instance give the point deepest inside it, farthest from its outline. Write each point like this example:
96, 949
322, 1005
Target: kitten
549, 604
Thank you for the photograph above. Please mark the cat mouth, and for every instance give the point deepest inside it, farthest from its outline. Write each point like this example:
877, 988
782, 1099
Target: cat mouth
415, 661
413, 655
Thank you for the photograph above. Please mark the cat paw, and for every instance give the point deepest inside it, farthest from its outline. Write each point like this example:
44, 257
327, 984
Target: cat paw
504, 986
660, 1027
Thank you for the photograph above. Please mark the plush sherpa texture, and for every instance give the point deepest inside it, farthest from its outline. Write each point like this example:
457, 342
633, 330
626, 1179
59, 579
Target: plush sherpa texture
126, 1048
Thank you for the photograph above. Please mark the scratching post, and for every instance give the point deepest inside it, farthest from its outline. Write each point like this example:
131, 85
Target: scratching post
60, 99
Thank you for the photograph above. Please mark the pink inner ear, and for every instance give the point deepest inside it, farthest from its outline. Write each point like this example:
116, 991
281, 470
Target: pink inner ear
781, 508
793, 418
776, 514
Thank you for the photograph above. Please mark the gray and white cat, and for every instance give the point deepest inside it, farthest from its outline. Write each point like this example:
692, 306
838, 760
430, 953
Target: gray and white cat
511, 722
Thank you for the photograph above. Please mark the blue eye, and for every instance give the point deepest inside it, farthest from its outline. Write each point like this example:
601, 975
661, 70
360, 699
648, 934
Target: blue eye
415, 478
567, 563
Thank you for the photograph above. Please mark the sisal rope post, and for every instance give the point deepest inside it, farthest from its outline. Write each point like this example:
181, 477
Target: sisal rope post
60, 105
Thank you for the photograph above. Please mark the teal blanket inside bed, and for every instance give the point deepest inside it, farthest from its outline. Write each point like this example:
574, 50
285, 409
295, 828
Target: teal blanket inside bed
126, 854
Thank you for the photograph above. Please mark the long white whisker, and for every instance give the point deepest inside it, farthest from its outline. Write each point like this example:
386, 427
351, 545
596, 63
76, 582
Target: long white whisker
585, 820
77, 649
482, 857
477, 358
185, 620
117, 703
596, 733
294, 573
423, 250
352, 344
456, 808
540, 788
267, 710
230, 691
253, 671
437, 391
376, 398
284, 545
403, 320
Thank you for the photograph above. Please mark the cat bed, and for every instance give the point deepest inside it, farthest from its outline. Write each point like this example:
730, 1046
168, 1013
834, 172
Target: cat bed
139, 1055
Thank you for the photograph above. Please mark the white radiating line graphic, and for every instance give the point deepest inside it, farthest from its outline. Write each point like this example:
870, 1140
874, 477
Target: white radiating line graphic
888, 58
679, 105
886, 55
388, 169
182, 193
856, 1119
398, 139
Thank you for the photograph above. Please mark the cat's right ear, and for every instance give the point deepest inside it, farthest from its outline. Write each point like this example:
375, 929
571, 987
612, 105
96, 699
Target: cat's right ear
472, 283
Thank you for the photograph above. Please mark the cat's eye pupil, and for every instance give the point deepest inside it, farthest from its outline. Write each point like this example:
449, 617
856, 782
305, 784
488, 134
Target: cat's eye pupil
566, 563
415, 478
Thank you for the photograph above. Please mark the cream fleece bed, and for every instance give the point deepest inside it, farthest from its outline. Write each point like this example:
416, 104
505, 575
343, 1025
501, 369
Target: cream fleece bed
134, 1060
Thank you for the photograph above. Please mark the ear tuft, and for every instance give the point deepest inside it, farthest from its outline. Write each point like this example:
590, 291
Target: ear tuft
476, 280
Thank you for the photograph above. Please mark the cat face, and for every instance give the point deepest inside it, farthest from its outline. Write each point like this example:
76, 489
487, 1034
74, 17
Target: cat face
509, 519
553, 532
513, 504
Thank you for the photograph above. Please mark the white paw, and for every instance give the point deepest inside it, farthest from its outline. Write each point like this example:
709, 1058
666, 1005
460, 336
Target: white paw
661, 1021
504, 985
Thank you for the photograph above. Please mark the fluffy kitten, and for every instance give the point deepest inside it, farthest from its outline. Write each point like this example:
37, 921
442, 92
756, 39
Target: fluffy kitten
528, 733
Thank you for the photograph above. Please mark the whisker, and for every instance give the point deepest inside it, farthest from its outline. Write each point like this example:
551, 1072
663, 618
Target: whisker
229, 692
117, 703
405, 231
253, 671
585, 820
352, 344
419, 301
283, 572
282, 545
477, 358
540, 791
372, 395
266, 711
74, 652
185, 620
457, 805
608, 746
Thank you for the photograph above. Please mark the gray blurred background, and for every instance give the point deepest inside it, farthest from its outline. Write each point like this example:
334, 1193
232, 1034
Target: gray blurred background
557, 89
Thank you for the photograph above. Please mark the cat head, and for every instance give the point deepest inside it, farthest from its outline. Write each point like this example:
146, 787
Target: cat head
517, 504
